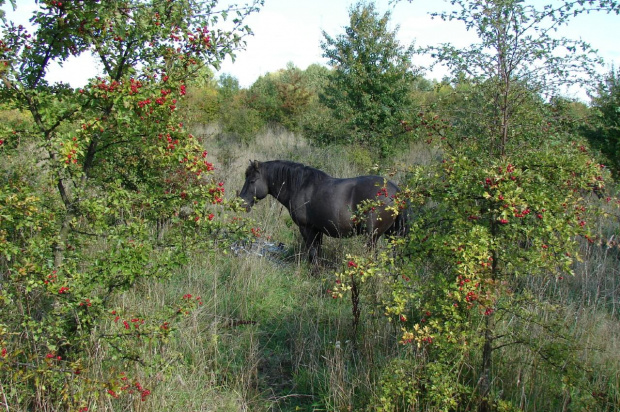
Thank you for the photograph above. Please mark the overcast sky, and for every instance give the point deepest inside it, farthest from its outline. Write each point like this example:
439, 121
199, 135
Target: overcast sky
291, 31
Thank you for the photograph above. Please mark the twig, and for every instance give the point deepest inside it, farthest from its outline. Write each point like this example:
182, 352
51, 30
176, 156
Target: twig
6, 403
292, 395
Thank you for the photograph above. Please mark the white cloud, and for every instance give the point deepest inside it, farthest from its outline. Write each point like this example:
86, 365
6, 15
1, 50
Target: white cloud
75, 70
278, 40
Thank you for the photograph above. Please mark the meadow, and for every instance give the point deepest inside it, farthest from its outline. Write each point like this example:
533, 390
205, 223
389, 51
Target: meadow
270, 337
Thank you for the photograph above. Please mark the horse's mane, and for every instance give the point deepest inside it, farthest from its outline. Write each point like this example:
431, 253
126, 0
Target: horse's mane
293, 174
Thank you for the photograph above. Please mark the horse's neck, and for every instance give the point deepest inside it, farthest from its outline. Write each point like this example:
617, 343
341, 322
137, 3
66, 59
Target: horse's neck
281, 186
281, 191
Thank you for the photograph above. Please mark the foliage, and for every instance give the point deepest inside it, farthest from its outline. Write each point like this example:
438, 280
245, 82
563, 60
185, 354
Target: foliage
368, 92
509, 200
201, 104
286, 98
604, 130
517, 56
463, 102
239, 120
280, 97
480, 226
124, 192
116, 321
235, 116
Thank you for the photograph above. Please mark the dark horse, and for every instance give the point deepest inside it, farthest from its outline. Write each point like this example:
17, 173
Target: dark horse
323, 205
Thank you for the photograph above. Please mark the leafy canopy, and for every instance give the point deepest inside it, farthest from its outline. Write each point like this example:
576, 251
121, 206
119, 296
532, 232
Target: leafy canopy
500, 214
102, 187
519, 54
369, 91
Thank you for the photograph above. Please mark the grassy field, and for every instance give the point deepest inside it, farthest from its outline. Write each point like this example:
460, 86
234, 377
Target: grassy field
269, 337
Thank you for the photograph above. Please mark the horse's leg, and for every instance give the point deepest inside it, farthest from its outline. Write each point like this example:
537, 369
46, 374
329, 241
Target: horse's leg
373, 231
312, 239
377, 229
373, 239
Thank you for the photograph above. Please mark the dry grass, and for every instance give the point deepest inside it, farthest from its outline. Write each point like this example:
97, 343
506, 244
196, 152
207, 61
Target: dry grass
269, 338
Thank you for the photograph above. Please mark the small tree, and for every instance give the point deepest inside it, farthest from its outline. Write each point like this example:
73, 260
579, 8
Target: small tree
518, 56
281, 97
104, 187
457, 288
504, 205
604, 131
369, 91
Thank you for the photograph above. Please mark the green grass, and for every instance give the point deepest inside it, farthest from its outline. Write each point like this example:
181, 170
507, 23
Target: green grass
269, 337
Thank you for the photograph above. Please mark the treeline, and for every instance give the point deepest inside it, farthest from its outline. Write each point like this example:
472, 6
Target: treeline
296, 100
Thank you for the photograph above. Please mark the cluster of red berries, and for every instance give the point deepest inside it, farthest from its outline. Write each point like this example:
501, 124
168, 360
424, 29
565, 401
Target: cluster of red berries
523, 213
189, 297
382, 192
71, 158
471, 297
130, 388
104, 86
217, 192
143, 103
51, 278
86, 303
199, 39
134, 85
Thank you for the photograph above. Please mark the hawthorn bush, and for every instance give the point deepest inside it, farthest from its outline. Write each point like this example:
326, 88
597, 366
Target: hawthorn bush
514, 193
480, 228
102, 189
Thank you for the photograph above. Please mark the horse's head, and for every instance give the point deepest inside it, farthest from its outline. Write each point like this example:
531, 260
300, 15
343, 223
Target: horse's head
255, 186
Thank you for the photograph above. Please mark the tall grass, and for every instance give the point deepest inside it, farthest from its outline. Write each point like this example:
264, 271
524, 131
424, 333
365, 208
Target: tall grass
269, 337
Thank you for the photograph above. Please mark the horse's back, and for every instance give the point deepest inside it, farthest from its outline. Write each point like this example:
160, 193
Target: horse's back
333, 201
371, 186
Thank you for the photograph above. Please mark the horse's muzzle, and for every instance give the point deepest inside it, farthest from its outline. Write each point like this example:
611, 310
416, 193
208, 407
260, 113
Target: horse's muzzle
247, 205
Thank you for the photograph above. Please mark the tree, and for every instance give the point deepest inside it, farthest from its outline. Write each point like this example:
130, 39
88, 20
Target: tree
518, 55
294, 96
281, 97
604, 131
507, 203
317, 77
103, 187
228, 87
369, 91
201, 104
457, 286
516, 59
